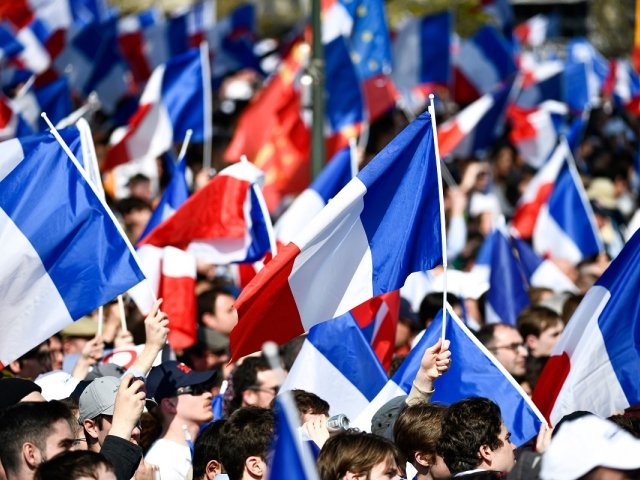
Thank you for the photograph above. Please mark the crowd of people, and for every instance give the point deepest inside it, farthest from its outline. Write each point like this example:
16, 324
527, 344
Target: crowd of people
69, 409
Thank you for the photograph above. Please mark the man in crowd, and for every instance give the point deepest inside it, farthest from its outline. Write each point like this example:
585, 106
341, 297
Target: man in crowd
253, 383
507, 345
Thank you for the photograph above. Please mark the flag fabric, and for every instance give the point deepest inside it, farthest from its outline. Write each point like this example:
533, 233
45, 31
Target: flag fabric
623, 85
11, 122
594, 366
542, 273
272, 133
532, 32
65, 255
171, 275
334, 176
477, 126
585, 72
421, 56
54, 99
481, 63
173, 197
337, 364
497, 263
22, 49
474, 372
540, 81
172, 103
382, 226
535, 132
378, 320
291, 458
554, 211
224, 222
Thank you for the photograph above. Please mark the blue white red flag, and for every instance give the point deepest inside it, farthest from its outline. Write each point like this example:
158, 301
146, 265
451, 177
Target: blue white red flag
64, 253
172, 103
291, 458
623, 84
594, 366
532, 32
54, 99
585, 72
497, 263
337, 364
554, 211
541, 81
11, 122
352, 251
474, 372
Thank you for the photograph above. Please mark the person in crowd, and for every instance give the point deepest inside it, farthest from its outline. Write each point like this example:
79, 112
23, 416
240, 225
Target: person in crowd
184, 405
407, 328
540, 327
475, 440
416, 433
506, 343
206, 452
136, 213
76, 465
351, 455
309, 405
14, 390
244, 441
32, 433
253, 383
33, 363
216, 310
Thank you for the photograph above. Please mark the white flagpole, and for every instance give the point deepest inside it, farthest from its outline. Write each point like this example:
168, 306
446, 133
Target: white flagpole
443, 229
185, 145
123, 316
100, 321
353, 154
208, 113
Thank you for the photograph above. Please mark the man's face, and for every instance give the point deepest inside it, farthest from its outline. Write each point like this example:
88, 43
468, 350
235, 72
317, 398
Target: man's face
60, 439
385, 470
262, 394
55, 350
439, 469
195, 407
225, 315
547, 340
509, 349
504, 457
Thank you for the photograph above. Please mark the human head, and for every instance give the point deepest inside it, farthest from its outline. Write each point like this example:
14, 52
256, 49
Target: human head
473, 436
540, 327
33, 363
206, 452
353, 454
55, 351
140, 187
507, 345
244, 440
14, 390
408, 324
136, 213
216, 310
416, 433
253, 383
76, 465
32, 433
309, 404
210, 350
182, 394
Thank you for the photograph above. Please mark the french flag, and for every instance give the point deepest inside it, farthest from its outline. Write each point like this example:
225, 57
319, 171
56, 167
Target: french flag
337, 364
480, 64
23, 49
542, 273
477, 126
595, 364
291, 458
532, 32
421, 55
540, 81
172, 102
333, 177
497, 263
53, 98
11, 122
224, 222
535, 132
173, 197
382, 226
474, 372
64, 253
585, 72
623, 84
554, 211
378, 320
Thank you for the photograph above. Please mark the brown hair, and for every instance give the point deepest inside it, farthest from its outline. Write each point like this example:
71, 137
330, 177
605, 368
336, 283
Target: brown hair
535, 319
418, 429
354, 451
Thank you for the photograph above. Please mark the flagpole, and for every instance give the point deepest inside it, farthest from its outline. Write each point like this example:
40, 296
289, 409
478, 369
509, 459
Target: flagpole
208, 98
123, 316
317, 74
443, 230
353, 156
185, 145
77, 164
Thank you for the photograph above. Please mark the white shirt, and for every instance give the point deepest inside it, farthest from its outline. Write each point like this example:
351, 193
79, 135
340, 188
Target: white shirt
173, 459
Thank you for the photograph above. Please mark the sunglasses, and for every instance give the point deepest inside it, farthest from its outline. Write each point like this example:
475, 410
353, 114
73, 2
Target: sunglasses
195, 390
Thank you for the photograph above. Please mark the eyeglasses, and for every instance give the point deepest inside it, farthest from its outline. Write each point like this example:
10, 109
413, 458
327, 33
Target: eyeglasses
195, 390
259, 388
512, 346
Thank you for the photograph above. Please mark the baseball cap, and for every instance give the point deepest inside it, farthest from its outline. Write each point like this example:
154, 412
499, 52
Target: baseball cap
385, 418
99, 398
12, 390
166, 378
56, 385
586, 443
105, 370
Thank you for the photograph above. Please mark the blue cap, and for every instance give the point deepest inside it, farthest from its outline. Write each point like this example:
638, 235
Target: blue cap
166, 378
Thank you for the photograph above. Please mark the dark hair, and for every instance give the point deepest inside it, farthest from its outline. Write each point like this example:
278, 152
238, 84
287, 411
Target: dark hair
207, 300
130, 204
431, 305
535, 319
418, 428
354, 451
628, 423
469, 424
73, 465
247, 433
28, 422
207, 448
308, 402
243, 377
